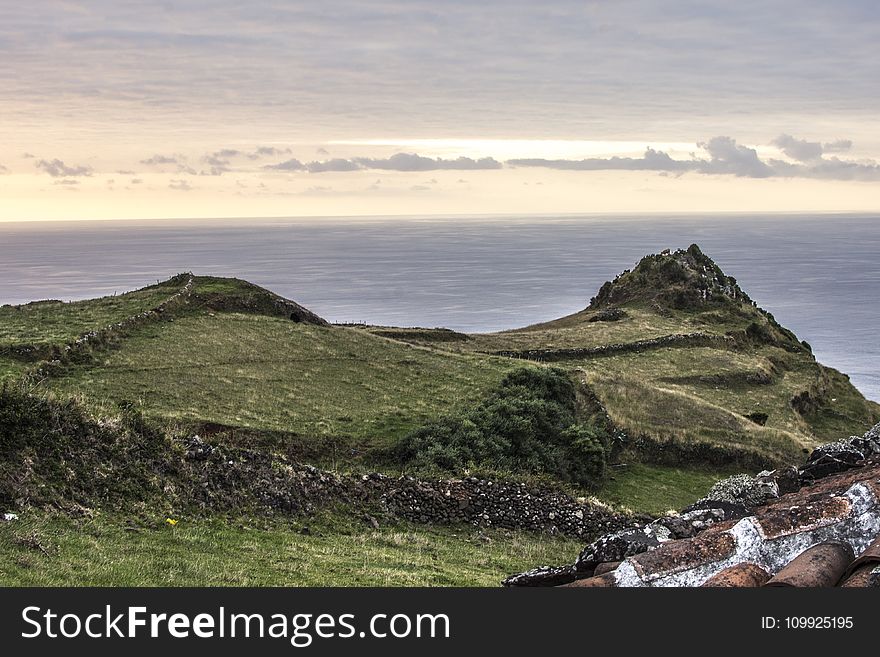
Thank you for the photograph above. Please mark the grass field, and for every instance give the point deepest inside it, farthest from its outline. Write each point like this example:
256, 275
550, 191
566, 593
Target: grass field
43, 549
269, 373
656, 489
577, 331
54, 322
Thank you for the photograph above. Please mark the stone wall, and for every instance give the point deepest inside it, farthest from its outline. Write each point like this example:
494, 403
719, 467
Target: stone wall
675, 340
219, 478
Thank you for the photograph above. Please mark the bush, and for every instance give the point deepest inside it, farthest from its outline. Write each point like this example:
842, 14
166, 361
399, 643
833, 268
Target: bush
588, 452
528, 424
52, 451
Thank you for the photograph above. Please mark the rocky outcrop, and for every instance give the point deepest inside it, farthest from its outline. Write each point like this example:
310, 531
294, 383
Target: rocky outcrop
841, 455
686, 278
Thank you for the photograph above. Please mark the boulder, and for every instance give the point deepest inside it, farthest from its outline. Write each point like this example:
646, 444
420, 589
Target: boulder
619, 545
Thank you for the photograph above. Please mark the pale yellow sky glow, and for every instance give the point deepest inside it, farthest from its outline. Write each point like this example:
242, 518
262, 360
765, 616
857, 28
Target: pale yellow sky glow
248, 192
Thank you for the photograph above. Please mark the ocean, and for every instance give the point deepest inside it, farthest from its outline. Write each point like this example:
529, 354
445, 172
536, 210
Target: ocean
818, 274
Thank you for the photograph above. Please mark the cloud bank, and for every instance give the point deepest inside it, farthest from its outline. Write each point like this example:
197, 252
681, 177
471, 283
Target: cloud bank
160, 159
727, 157
57, 169
805, 151
397, 162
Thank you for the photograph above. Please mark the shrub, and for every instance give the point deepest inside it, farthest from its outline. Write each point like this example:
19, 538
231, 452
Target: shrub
527, 424
51, 450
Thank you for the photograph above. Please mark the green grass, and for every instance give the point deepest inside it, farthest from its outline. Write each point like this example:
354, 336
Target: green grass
577, 332
269, 373
691, 393
54, 322
703, 393
656, 489
10, 369
108, 550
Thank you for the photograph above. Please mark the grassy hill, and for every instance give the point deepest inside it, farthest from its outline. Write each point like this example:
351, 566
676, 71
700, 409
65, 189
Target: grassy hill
227, 357
674, 351
672, 372
683, 361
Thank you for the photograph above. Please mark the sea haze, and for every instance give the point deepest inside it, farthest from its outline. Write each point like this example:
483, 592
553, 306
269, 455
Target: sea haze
819, 275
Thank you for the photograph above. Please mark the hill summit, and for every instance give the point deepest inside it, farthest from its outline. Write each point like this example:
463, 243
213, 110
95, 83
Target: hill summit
683, 279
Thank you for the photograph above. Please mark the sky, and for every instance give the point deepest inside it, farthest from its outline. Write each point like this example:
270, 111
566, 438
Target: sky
221, 108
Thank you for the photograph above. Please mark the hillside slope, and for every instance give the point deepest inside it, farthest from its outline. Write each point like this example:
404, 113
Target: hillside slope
683, 363
687, 366
223, 355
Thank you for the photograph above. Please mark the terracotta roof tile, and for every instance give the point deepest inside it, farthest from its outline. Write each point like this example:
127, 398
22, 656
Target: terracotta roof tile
606, 580
742, 575
870, 556
606, 567
678, 556
868, 576
820, 565
797, 518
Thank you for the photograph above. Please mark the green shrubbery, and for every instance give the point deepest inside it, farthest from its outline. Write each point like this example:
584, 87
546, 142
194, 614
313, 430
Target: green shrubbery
528, 424
52, 451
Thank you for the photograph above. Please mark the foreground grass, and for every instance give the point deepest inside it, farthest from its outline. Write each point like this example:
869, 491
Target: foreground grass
656, 489
54, 550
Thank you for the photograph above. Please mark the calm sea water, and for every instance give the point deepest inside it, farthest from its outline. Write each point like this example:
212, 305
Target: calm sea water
819, 275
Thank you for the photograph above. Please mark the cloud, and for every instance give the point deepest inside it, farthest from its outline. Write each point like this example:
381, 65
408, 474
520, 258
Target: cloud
268, 151
136, 181
125, 172
727, 157
160, 159
806, 151
414, 162
180, 185
57, 169
215, 160
335, 164
652, 160
420, 70
3, 169
219, 161
66, 182
28, 156
397, 162
829, 169
838, 146
798, 149
226, 152
419, 188
288, 165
